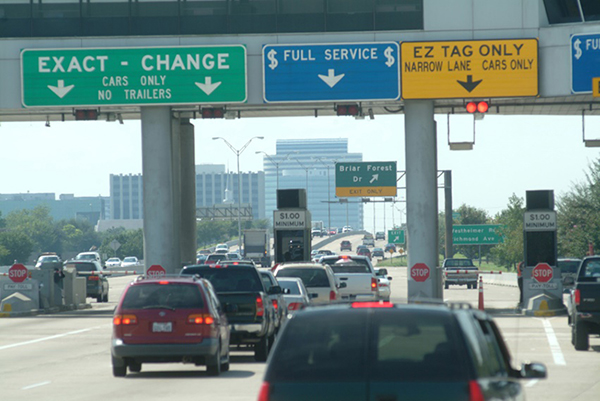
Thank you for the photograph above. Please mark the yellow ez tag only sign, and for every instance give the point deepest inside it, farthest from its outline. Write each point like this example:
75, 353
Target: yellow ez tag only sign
469, 69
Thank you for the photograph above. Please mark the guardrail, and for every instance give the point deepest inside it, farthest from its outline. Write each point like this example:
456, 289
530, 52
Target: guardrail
473, 271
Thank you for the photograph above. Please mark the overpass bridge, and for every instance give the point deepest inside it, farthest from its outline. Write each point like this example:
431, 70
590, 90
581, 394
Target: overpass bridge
511, 54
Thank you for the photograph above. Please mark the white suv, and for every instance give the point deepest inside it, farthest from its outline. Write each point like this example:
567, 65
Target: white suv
89, 256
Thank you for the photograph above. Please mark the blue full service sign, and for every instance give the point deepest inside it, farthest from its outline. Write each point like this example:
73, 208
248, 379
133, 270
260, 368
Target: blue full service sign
585, 61
331, 72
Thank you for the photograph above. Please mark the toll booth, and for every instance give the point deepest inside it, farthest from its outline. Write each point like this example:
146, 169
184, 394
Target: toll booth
542, 284
291, 227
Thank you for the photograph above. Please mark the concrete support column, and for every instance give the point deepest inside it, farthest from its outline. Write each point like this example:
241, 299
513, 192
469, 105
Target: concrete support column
176, 171
160, 247
421, 198
188, 193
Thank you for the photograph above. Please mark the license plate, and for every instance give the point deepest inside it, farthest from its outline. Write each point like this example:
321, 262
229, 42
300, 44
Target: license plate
166, 327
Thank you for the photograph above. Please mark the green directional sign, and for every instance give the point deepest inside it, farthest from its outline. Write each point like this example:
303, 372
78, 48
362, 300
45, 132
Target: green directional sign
396, 237
365, 179
133, 76
476, 234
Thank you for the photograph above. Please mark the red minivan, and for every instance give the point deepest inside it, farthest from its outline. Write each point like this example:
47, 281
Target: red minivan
170, 320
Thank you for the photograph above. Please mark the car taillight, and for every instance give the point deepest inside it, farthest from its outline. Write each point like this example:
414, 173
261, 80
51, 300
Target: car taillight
294, 306
475, 393
379, 304
93, 278
383, 285
263, 394
200, 319
332, 295
373, 284
260, 306
275, 304
577, 297
124, 320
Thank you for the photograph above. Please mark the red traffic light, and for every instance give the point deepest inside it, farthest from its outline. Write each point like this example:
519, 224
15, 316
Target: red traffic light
477, 107
213, 112
347, 109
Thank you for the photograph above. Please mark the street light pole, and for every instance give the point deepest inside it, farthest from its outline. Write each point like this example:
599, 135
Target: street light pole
328, 194
238, 152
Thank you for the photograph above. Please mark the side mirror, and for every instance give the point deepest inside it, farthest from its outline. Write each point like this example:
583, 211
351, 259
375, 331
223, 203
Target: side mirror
274, 290
389, 278
342, 285
533, 370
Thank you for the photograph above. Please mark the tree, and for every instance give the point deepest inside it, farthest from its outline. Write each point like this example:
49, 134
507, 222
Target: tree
510, 252
471, 215
579, 216
38, 226
14, 245
77, 235
132, 242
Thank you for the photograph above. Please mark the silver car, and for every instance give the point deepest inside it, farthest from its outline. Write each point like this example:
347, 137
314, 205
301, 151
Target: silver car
295, 294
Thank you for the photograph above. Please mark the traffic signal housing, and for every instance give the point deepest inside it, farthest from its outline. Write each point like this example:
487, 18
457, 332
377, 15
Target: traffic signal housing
477, 107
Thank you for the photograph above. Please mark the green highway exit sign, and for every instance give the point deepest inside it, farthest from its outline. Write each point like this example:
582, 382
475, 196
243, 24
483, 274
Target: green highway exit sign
365, 179
476, 234
396, 237
133, 76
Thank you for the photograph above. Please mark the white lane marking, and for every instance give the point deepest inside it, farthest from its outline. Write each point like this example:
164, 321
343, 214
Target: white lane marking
532, 383
35, 385
46, 338
557, 354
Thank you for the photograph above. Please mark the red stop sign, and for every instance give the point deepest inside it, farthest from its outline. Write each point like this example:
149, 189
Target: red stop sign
419, 272
156, 271
17, 273
542, 273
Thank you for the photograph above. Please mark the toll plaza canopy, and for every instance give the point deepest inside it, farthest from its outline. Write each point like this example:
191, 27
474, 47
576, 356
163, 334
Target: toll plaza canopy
287, 58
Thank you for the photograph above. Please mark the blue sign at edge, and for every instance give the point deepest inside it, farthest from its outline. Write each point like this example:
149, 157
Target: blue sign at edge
586, 68
331, 72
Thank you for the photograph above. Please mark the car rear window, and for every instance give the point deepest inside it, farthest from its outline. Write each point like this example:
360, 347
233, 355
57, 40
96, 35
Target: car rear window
591, 268
570, 266
216, 258
321, 349
172, 295
350, 268
458, 263
411, 346
291, 285
310, 277
83, 267
357, 261
229, 279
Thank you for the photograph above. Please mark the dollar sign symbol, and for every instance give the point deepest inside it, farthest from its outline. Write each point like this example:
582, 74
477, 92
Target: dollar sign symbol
272, 59
390, 59
578, 51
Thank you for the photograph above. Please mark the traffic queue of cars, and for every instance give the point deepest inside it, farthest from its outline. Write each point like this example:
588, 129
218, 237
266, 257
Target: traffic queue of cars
350, 344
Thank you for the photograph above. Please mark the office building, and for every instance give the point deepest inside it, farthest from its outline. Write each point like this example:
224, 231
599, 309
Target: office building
310, 164
214, 186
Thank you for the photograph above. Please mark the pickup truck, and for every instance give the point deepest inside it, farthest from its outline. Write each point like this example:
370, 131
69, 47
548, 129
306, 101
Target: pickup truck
583, 303
242, 293
368, 240
358, 274
460, 271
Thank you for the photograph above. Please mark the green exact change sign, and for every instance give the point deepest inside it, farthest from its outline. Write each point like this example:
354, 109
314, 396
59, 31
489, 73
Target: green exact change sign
365, 179
133, 76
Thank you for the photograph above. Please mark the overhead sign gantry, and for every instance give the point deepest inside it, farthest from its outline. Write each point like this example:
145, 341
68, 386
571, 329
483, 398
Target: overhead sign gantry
134, 76
469, 69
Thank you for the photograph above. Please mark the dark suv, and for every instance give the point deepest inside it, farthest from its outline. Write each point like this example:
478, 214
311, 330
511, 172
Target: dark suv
96, 282
345, 245
380, 351
169, 320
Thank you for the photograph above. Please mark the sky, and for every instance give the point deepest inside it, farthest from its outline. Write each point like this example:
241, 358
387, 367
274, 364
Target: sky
512, 154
